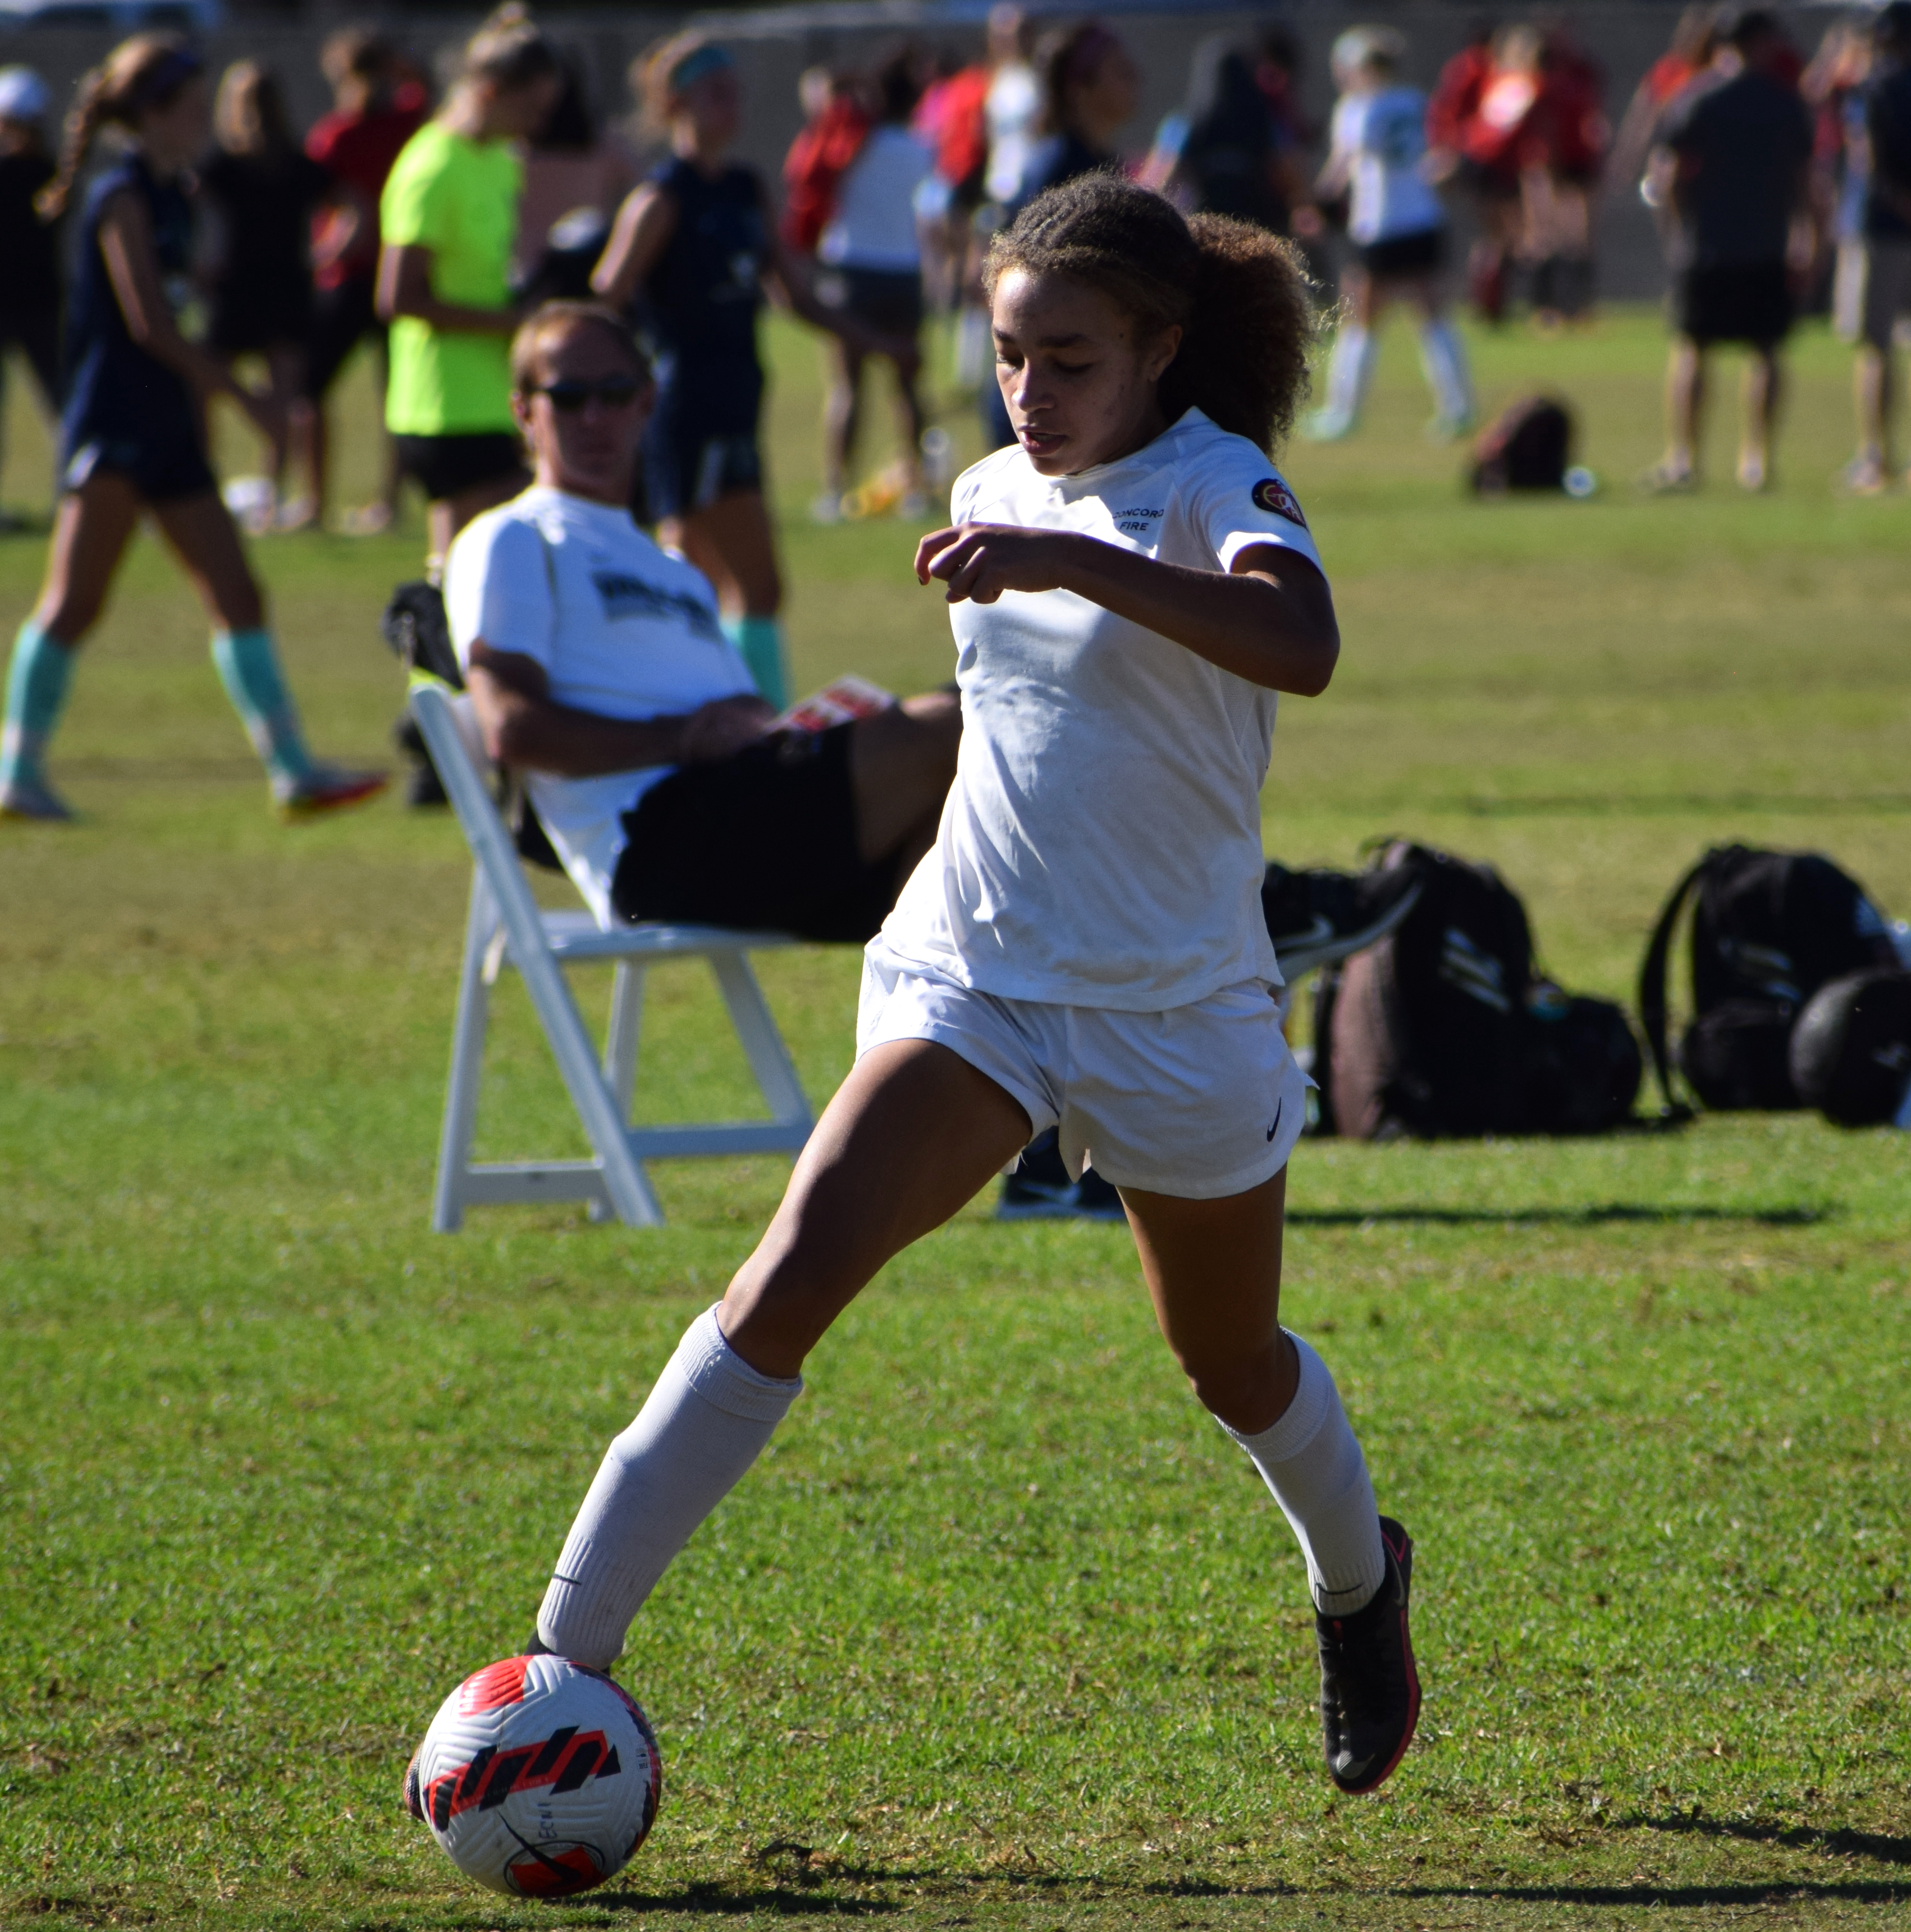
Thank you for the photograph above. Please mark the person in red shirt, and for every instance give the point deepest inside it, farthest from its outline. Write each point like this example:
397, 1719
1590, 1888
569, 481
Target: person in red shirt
377, 110
1572, 126
1457, 150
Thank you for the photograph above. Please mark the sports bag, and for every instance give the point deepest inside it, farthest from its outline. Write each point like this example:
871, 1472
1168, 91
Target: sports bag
1443, 1028
1851, 1049
1768, 929
1527, 446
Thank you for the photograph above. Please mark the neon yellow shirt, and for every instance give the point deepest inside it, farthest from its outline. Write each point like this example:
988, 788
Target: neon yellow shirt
457, 197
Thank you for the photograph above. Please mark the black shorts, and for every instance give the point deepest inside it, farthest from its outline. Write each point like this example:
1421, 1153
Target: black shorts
763, 841
1486, 183
1750, 303
341, 319
162, 469
888, 301
684, 466
448, 466
1419, 254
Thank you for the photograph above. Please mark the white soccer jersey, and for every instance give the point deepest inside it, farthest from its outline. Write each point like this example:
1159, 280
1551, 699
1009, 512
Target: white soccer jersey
1382, 139
1101, 846
621, 628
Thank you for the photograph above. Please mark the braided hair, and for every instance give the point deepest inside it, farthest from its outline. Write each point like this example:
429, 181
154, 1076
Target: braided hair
145, 72
1240, 295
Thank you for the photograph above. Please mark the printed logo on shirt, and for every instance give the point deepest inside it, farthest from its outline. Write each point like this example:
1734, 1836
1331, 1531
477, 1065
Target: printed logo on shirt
632, 597
1272, 494
1139, 522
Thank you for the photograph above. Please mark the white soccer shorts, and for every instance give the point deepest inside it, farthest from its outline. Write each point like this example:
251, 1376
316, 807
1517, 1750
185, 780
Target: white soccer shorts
1202, 1101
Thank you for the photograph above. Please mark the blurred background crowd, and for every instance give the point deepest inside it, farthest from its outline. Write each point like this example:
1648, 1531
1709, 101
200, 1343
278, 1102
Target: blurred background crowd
1779, 173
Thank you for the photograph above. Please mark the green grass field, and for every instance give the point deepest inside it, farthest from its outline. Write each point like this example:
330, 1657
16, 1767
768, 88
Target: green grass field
1002, 1631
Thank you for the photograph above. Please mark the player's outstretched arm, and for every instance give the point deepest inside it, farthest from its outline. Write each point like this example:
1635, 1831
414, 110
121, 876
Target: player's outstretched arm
1270, 620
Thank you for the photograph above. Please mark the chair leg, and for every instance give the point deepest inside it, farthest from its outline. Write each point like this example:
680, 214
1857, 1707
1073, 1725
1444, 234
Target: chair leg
626, 1025
467, 1062
620, 1049
769, 1059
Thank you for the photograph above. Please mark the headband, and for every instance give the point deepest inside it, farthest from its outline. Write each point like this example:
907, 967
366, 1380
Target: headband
166, 76
698, 64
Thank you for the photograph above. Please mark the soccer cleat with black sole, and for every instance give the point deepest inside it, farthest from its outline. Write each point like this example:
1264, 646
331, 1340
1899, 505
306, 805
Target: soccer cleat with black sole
414, 1795
1369, 1688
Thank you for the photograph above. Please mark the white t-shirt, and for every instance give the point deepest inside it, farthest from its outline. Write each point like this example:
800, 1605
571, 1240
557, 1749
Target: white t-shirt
1382, 138
1011, 109
1101, 846
621, 628
874, 226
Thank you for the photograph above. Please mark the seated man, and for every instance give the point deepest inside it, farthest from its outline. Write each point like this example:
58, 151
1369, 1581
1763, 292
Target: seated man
595, 666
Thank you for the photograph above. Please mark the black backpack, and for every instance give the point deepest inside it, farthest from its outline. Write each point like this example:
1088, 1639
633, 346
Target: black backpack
1527, 446
1443, 1029
1768, 929
1851, 1049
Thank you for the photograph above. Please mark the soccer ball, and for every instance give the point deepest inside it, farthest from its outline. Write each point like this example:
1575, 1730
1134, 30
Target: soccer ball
539, 1776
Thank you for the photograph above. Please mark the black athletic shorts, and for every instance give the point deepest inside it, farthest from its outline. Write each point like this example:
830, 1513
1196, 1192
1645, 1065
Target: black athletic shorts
1750, 303
163, 470
762, 841
341, 319
889, 300
448, 466
683, 467
1418, 254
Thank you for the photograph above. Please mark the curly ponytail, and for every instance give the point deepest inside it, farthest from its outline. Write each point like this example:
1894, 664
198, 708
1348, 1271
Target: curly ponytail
1240, 295
145, 72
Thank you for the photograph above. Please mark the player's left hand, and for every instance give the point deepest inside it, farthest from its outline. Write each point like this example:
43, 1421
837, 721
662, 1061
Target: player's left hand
978, 562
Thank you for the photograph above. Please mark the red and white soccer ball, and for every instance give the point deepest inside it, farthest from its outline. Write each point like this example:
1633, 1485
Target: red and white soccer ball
539, 1777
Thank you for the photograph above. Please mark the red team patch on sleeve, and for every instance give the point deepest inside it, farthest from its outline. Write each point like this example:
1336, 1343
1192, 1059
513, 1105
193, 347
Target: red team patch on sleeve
1273, 495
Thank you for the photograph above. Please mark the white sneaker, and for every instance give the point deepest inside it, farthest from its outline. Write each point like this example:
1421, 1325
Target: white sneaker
825, 507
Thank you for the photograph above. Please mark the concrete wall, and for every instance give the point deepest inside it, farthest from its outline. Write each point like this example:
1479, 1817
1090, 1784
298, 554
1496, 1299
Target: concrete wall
775, 45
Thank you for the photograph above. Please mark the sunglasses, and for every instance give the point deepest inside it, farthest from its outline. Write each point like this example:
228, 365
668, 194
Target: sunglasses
569, 397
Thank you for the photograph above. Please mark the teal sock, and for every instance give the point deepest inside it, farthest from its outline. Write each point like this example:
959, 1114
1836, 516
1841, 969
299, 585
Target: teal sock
248, 667
36, 694
760, 641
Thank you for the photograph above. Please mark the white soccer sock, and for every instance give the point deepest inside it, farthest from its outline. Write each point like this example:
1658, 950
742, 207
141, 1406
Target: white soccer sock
703, 1425
1350, 369
1443, 357
1310, 1459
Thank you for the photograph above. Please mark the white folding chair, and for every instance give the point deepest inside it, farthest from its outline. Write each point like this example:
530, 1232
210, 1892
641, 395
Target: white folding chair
506, 927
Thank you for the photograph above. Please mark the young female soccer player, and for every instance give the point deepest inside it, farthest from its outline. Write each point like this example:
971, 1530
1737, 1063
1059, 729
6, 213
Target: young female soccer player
132, 436
1130, 585
694, 248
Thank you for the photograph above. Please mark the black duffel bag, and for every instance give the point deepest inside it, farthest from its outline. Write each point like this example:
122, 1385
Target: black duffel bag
1851, 1049
1768, 929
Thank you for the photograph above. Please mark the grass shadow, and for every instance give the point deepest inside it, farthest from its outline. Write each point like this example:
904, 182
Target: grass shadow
1884, 1848
1608, 1214
1777, 1892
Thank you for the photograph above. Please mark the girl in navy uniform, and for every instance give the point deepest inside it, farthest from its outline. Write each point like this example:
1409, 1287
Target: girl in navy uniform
132, 436
694, 249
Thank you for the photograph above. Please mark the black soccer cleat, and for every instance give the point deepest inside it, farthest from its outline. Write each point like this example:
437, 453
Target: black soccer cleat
1369, 1689
413, 1793
1040, 1188
1319, 917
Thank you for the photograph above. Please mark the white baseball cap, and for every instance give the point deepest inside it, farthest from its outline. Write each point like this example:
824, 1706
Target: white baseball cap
23, 95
